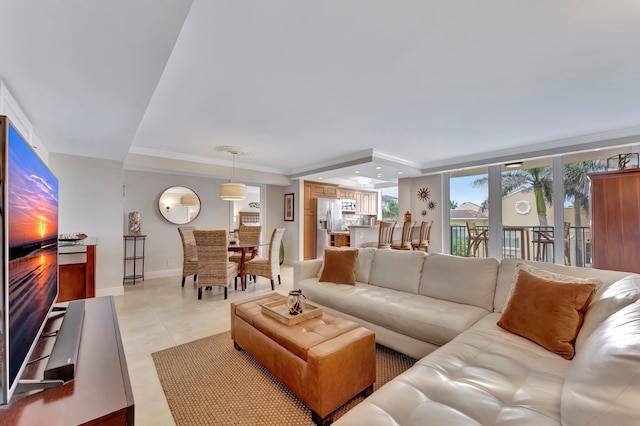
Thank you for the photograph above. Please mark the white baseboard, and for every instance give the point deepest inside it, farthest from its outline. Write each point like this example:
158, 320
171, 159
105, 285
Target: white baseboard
110, 291
163, 273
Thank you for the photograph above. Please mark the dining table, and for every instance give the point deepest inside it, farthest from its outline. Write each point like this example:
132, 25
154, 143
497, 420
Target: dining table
243, 248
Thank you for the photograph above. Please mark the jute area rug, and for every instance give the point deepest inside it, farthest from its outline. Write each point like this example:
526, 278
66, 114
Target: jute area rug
208, 382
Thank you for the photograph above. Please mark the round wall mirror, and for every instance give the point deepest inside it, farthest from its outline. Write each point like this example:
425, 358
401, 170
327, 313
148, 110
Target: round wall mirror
179, 205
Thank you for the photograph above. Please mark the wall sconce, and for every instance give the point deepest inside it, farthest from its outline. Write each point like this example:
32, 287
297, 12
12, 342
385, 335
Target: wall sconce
623, 161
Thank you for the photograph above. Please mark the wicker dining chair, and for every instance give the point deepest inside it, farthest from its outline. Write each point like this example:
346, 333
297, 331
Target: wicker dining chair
424, 238
214, 267
268, 267
404, 243
189, 253
385, 234
248, 235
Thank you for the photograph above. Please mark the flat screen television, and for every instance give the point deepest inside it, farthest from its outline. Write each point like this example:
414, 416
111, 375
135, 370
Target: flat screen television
29, 210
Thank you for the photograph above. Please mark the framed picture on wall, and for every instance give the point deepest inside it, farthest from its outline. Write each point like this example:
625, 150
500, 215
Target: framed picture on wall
288, 207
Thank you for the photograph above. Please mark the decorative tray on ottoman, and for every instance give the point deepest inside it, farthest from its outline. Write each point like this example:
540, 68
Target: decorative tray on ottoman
279, 311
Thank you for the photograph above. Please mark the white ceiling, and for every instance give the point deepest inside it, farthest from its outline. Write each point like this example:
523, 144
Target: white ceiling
310, 87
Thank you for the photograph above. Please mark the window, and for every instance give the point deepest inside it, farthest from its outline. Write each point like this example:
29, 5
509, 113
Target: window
468, 203
389, 203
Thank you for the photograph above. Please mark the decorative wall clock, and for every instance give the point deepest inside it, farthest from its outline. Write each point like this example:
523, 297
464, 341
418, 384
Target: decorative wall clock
424, 194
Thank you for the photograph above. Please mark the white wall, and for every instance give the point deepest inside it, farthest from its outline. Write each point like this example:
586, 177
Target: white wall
163, 249
275, 219
408, 200
90, 201
163, 246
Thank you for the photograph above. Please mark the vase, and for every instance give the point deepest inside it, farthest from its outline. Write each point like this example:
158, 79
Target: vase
135, 224
296, 302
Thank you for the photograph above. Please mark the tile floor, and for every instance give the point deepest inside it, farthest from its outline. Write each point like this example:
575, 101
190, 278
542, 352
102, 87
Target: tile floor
158, 313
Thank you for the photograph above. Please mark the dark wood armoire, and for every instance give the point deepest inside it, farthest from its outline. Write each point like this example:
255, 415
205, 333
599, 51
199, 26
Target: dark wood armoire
615, 220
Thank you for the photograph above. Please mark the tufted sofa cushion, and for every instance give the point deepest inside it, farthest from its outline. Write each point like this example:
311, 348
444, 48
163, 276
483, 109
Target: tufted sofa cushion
605, 373
424, 318
607, 301
471, 281
397, 269
485, 376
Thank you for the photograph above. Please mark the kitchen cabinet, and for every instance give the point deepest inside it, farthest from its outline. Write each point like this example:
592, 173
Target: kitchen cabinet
324, 191
313, 190
340, 240
615, 215
347, 193
366, 203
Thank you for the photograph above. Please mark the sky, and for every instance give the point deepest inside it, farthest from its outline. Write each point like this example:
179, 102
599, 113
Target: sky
462, 191
33, 195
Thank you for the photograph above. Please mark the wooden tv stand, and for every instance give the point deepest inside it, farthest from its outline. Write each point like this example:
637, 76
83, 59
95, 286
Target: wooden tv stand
100, 393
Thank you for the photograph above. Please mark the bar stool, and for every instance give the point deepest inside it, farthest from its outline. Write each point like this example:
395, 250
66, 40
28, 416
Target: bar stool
385, 234
424, 238
407, 235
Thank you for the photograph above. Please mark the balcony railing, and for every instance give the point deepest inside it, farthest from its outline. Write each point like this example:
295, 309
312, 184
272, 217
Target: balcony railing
523, 243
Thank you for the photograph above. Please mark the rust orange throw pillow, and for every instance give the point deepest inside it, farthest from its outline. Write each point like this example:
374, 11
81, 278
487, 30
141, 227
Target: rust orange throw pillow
547, 312
339, 266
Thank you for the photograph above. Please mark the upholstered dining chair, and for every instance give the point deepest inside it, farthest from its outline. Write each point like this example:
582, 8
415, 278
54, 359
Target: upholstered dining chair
189, 253
385, 234
404, 243
476, 237
214, 267
424, 238
268, 267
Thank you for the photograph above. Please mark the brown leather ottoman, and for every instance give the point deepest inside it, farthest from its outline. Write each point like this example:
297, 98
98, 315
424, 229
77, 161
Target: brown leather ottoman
325, 361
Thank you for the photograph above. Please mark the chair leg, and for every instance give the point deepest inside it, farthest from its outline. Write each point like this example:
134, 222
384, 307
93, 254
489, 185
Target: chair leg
225, 293
199, 293
279, 280
272, 287
183, 278
195, 277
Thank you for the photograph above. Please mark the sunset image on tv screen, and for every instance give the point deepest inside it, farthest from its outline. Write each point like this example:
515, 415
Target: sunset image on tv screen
32, 207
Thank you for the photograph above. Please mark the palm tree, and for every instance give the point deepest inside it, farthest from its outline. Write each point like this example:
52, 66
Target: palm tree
536, 179
576, 189
453, 205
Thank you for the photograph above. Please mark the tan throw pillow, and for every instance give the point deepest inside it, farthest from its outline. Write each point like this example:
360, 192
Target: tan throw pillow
542, 273
547, 312
339, 266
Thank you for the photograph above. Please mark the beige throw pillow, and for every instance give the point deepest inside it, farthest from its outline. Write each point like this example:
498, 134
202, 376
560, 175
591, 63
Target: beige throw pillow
547, 312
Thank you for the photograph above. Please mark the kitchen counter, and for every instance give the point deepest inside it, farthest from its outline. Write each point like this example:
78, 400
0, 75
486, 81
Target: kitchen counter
339, 233
363, 235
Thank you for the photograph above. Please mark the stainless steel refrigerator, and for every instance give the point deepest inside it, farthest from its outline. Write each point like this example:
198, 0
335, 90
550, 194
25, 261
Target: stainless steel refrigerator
329, 218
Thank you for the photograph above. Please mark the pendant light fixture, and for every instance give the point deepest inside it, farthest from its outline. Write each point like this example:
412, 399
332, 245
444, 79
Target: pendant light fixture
233, 191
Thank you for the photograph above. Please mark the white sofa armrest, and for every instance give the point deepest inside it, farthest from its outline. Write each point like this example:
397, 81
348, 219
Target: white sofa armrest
305, 269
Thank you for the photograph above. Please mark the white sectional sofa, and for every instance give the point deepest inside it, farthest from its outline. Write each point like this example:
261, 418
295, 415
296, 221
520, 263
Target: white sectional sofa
443, 310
